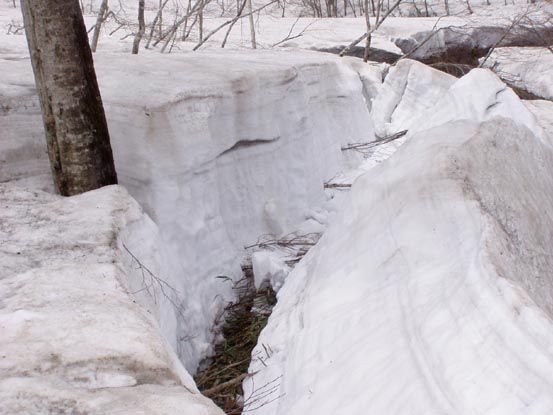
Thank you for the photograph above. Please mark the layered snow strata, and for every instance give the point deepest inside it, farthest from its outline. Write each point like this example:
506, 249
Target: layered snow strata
431, 293
219, 148
74, 337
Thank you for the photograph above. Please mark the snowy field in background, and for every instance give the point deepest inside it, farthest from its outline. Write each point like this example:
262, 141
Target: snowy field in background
429, 294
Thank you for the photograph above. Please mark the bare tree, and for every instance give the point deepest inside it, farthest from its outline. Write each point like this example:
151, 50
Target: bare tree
102, 14
160, 14
378, 22
369, 37
156, 20
231, 25
201, 20
230, 22
74, 121
141, 28
252, 25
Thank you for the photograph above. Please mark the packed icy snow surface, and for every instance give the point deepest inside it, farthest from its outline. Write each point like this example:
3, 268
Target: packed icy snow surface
74, 338
530, 69
218, 147
431, 292
543, 111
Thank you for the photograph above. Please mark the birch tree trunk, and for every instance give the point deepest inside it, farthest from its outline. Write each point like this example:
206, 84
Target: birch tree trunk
74, 121
252, 25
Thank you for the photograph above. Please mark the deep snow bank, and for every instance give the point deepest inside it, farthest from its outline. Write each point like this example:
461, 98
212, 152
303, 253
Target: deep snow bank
530, 69
74, 338
431, 293
409, 89
218, 148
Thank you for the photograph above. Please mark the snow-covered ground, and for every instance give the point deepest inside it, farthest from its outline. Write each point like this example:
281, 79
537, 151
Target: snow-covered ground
397, 34
431, 291
74, 337
530, 69
218, 147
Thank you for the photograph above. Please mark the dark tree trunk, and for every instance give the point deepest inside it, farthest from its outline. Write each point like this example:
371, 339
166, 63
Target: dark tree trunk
74, 120
141, 28
99, 20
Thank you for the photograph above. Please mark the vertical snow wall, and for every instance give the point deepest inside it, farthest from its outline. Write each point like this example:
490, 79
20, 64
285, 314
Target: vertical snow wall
218, 148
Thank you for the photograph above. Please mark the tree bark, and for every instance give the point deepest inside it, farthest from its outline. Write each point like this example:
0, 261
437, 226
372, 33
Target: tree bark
141, 28
74, 121
201, 21
98, 26
252, 25
369, 37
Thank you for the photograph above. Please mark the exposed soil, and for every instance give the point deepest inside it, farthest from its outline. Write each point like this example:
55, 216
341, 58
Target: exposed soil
376, 55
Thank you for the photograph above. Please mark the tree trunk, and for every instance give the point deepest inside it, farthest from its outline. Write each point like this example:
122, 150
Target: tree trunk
201, 21
252, 25
141, 28
369, 37
98, 26
74, 121
160, 20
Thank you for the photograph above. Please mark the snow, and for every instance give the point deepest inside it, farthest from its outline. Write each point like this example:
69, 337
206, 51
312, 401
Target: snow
543, 111
430, 293
530, 69
408, 90
218, 147
477, 96
415, 97
269, 267
74, 338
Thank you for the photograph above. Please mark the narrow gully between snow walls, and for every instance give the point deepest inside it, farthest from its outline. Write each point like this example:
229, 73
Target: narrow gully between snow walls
218, 148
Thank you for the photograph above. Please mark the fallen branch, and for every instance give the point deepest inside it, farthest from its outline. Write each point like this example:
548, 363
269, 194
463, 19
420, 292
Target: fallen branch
216, 389
363, 147
337, 185
154, 279
289, 35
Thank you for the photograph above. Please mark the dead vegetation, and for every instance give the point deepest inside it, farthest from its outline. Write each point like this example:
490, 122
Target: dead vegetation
221, 380
366, 148
240, 325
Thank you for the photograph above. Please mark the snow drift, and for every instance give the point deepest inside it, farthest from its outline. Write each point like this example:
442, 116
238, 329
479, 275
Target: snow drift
530, 69
74, 338
431, 293
218, 148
